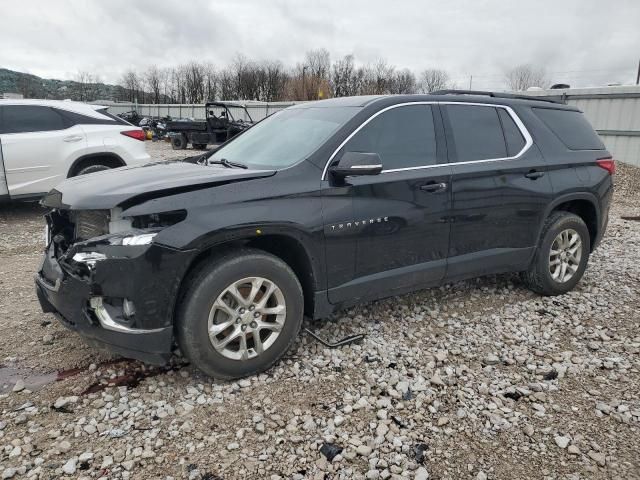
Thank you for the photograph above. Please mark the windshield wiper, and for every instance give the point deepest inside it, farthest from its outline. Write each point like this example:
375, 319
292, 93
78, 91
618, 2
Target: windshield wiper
227, 163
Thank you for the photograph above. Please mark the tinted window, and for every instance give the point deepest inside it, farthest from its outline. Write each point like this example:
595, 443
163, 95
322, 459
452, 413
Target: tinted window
476, 132
30, 118
403, 137
571, 127
512, 135
73, 118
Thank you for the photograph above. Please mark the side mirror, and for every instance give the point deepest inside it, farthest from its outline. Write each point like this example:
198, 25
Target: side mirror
357, 163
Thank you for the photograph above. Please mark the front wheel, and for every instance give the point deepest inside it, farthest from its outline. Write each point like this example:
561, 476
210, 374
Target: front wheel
561, 257
240, 313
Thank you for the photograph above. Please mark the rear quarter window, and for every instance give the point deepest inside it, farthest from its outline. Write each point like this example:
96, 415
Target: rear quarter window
571, 127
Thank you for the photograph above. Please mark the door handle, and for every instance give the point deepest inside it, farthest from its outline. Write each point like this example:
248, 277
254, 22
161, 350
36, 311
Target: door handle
433, 187
73, 138
534, 175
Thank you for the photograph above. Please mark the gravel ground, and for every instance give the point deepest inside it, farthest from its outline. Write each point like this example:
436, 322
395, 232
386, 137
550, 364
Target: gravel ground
480, 379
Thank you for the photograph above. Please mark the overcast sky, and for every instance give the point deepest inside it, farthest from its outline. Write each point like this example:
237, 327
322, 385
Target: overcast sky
581, 42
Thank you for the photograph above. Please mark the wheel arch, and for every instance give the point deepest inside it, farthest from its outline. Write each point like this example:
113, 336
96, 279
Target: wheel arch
585, 205
288, 247
107, 158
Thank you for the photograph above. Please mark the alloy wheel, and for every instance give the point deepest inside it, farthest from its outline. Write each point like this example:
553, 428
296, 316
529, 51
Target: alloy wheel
565, 255
247, 318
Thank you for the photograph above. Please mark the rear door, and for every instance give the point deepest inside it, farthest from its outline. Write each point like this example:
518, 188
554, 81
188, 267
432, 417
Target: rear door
500, 189
398, 218
37, 143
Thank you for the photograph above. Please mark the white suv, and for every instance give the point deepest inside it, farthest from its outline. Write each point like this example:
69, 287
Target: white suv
42, 142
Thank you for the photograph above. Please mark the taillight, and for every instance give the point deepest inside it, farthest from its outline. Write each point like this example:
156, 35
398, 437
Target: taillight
608, 164
135, 134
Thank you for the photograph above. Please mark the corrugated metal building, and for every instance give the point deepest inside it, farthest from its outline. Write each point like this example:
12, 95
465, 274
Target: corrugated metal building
613, 111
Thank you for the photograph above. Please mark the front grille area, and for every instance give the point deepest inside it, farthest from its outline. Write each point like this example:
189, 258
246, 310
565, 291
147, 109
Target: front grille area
90, 224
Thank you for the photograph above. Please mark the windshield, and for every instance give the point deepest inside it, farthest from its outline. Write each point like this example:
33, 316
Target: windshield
286, 137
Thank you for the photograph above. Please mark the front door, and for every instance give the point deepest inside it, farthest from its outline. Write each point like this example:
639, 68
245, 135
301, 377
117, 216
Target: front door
397, 220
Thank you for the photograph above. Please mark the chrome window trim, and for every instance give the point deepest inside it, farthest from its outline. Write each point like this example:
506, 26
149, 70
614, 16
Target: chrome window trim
523, 130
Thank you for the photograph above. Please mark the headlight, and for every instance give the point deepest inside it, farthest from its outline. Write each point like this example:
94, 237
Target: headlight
132, 239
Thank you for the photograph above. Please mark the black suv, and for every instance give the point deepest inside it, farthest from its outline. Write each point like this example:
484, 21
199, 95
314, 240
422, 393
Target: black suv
319, 207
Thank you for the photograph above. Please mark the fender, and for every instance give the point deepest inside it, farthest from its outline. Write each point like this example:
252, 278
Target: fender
590, 197
111, 156
258, 231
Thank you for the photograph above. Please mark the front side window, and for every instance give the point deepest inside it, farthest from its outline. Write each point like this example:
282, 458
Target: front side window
403, 137
286, 137
477, 133
30, 118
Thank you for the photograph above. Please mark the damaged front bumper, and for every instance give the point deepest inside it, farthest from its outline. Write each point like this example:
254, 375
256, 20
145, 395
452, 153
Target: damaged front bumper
118, 297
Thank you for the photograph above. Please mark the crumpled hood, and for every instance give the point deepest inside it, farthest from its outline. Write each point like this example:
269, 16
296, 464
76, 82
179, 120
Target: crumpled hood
111, 188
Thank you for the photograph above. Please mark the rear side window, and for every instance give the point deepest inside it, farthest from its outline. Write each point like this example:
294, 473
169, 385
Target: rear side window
30, 118
571, 127
477, 133
404, 137
115, 118
512, 134
74, 118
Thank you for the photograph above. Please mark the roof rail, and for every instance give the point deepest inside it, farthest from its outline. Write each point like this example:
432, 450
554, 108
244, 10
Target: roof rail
496, 95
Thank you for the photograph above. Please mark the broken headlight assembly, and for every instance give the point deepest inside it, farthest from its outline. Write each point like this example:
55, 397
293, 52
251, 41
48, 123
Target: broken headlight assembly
141, 229
126, 231
143, 237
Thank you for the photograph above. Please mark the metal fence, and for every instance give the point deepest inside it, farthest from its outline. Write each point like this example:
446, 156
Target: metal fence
613, 111
258, 111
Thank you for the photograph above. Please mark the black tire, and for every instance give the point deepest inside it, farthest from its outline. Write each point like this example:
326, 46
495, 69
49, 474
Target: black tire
179, 142
200, 146
96, 167
203, 288
538, 278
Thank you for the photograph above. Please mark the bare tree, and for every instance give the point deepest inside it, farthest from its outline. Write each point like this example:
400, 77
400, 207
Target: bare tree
227, 82
377, 78
85, 87
274, 81
433, 79
194, 75
131, 83
153, 80
522, 77
403, 82
165, 84
346, 79
210, 88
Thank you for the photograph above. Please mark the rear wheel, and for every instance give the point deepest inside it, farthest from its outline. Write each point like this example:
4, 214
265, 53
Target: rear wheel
200, 146
561, 257
96, 167
240, 314
179, 142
